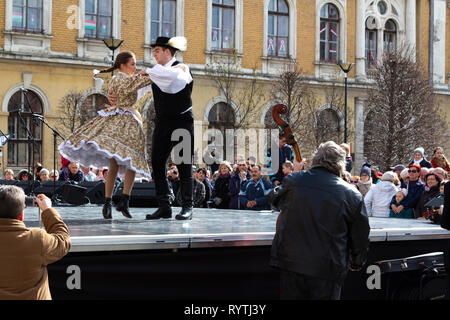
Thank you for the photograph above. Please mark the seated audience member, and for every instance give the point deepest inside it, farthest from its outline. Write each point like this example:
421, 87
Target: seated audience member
432, 186
240, 176
174, 178
365, 182
254, 192
415, 188
221, 191
439, 160
24, 176
101, 172
89, 175
399, 200
202, 177
72, 173
9, 175
419, 158
44, 175
288, 168
379, 197
26, 252
53, 176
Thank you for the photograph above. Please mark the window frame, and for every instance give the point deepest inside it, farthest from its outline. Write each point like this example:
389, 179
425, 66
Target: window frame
276, 15
327, 40
26, 30
161, 22
367, 48
391, 35
221, 29
97, 15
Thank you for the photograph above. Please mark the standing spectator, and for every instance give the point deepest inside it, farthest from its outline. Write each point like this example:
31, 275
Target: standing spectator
348, 157
253, 195
240, 176
221, 193
365, 182
72, 173
26, 252
53, 176
398, 170
432, 182
374, 175
322, 232
285, 153
24, 176
44, 175
439, 160
379, 197
415, 188
202, 177
404, 176
9, 174
399, 200
423, 172
419, 158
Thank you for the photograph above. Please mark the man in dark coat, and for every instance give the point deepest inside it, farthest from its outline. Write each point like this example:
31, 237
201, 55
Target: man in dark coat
323, 228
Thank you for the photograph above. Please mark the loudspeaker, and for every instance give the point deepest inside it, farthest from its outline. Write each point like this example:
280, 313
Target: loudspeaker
51, 188
95, 191
143, 195
74, 194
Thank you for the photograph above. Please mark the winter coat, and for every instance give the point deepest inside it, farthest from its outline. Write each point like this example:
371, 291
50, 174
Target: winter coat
378, 199
323, 227
208, 191
423, 164
406, 213
251, 191
221, 190
364, 187
25, 254
415, 190
424, 198
235, 189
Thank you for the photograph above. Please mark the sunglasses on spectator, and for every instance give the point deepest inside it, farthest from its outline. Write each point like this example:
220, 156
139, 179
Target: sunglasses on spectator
354, 181
412, 171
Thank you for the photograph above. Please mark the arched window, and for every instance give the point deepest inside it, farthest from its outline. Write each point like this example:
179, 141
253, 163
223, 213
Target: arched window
389, 36
328, 126
371, 43
329, 33
19, 147
98, 21
90, 106
163, 18
222, 36
278, 24
27, 15
221, 117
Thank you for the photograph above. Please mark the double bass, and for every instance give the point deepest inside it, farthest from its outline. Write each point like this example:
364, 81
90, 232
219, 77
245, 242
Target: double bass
286, 129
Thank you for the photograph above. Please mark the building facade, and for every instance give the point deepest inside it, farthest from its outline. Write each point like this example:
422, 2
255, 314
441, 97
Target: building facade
49, 48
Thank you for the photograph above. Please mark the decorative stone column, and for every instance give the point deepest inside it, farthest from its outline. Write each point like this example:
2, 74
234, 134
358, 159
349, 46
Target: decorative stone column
439, 54
359, 134
411, 25
360, 42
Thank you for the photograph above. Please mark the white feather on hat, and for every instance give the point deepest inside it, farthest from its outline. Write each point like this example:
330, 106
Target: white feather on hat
179, 43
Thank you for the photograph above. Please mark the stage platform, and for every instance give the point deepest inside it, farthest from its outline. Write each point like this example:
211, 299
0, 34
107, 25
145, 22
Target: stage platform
219, 254
208, 228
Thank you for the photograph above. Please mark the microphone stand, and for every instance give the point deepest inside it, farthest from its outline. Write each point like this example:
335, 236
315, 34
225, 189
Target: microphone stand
56, 134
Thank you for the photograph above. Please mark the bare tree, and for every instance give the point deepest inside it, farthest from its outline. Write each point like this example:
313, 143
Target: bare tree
68, 119
403, 113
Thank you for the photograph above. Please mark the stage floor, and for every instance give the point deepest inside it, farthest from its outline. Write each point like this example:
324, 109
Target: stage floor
208, 228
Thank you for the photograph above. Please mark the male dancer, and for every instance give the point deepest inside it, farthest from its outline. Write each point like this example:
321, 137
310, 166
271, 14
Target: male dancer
173, 108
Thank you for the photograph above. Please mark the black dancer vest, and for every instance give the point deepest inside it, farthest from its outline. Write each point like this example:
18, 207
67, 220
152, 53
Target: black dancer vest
172, 105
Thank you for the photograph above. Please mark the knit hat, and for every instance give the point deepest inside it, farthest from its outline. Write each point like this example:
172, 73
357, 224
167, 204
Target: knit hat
404, 174
365, 170
420, 150
439, 172
389, 176
404, 191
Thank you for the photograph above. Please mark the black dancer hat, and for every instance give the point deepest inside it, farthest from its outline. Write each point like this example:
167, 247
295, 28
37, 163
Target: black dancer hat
177, 43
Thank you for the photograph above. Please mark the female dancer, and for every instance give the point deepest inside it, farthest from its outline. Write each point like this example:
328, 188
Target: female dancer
115, 138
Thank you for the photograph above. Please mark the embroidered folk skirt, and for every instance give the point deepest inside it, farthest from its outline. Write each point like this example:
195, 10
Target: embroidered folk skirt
116, 134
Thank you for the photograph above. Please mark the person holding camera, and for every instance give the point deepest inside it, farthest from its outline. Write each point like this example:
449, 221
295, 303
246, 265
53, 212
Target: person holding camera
25, 253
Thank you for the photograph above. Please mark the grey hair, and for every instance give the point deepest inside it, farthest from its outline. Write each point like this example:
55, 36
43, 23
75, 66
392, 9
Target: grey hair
330, 156
44, 170
12, 202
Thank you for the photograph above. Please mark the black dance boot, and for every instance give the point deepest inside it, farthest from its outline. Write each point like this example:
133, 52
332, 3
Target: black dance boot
185, 214
164, 212
107, 208
122, 206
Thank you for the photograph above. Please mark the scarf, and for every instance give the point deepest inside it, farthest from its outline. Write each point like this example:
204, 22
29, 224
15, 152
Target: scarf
418, 162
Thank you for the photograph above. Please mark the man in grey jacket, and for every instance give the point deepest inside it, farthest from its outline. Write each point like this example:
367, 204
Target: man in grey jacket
323, 228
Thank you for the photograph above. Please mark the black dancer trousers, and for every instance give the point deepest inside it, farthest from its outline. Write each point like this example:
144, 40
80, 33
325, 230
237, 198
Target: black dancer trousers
162, 146
295, 286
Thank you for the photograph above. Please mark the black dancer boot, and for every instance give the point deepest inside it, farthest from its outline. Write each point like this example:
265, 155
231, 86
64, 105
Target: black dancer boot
122, 206
107, 208
164, 211
185, 214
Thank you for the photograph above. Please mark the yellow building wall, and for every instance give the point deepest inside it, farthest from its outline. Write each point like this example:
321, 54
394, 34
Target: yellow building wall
253, 37
2, 22
64, 34
306, 35
423, 33
195, 31
132, 28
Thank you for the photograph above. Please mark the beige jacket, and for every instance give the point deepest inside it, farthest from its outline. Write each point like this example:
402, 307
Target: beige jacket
25, 254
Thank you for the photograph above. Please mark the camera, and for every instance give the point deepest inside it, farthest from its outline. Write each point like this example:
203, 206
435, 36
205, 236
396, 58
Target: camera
30, 201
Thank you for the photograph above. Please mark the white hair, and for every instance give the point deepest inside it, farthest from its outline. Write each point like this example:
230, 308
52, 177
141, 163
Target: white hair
330, 156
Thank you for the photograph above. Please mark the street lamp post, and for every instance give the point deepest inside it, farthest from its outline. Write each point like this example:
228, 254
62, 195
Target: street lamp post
346, 67
113, 45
